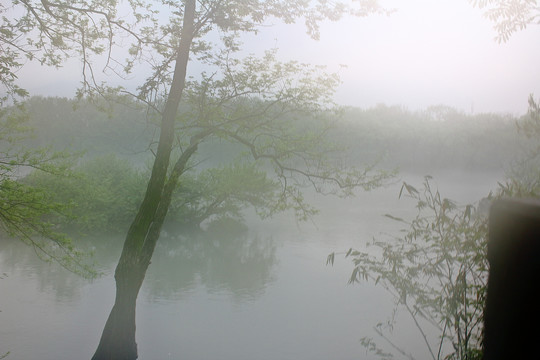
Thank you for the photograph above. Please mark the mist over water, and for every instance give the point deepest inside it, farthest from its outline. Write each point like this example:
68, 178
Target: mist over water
213, 127
256, 291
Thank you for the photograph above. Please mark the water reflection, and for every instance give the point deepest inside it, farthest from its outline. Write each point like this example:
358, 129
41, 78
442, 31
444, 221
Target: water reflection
20, 262
226, 258
224, 293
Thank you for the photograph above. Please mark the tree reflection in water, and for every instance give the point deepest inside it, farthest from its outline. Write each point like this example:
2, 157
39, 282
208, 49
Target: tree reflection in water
224, 258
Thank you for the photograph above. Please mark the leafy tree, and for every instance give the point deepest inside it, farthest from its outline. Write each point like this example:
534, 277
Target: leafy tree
223, 192
103, 193
267, 125
24, 209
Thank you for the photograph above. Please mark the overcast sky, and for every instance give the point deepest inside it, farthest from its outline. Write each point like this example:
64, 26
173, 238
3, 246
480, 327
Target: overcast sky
428, 52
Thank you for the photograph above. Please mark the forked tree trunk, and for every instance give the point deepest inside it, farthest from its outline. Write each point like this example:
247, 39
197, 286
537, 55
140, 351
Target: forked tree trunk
118, 338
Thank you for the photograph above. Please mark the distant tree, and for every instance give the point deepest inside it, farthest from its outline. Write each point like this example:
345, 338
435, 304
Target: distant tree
530, 123
510, 16
523, 178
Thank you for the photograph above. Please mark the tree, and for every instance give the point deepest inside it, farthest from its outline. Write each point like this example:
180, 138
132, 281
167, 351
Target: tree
221, 193
24, 209
529, 126
262, 104
103, 193
510, 16
265, 128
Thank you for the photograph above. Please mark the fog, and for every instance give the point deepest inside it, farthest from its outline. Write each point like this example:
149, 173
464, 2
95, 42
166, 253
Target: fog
294, 214
422, 54
249, 287
262, 293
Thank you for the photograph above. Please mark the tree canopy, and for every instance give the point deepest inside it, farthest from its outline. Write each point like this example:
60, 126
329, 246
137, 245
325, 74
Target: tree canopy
98, 33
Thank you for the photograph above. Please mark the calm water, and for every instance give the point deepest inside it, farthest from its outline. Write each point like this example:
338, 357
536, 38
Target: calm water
263, 293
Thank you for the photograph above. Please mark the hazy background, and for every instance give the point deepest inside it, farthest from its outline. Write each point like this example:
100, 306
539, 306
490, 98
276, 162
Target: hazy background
425, 53
262, 289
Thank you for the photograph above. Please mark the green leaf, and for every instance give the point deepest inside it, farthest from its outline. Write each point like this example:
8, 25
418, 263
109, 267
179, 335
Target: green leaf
354, 276
394, 218
330, 259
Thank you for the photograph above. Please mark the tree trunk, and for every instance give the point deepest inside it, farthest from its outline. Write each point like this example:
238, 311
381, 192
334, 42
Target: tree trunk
118, 338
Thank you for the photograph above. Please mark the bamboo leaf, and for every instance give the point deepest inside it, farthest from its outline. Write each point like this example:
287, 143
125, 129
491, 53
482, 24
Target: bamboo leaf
354, 276
330, 259
394, 218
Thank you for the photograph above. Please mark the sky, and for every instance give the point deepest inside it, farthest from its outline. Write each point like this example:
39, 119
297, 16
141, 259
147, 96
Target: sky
427, 52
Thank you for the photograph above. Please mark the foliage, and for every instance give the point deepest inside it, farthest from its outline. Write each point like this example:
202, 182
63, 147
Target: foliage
23, 208
103, 193
51, 32
416, 141
424, 141
277, 91
510, 16
279, 113
223, 192
436, 272
530, 125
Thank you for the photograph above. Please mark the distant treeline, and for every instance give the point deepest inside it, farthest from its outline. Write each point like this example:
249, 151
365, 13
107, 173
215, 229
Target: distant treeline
79, 126
437, 138
114, 148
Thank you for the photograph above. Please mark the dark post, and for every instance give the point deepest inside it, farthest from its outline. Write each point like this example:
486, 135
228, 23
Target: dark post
512, 314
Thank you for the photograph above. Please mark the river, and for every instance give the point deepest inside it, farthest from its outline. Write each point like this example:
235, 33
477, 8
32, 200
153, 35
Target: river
261, 293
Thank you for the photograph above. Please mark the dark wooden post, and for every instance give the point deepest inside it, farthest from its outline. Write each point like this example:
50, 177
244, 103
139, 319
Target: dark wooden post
512, 314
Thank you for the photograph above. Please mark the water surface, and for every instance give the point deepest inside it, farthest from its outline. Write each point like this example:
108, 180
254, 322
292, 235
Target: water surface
263, 293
